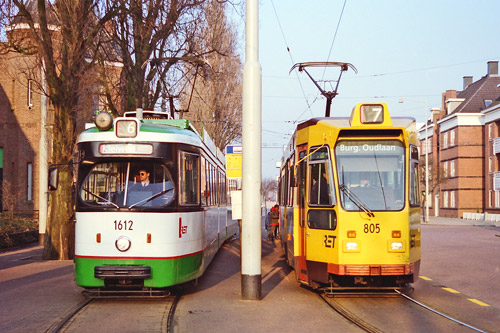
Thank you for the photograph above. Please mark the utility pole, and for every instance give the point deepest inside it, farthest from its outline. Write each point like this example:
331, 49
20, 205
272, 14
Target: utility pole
251, 237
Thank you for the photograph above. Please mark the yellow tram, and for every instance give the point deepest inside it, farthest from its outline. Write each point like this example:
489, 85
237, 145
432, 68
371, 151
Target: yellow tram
350, 202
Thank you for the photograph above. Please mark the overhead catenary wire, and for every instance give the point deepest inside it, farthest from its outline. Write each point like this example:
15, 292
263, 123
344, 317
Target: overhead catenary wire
334, 37
291, 59
401, 72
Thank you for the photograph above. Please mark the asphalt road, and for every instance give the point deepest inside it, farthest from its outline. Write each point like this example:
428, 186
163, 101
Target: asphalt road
460, 269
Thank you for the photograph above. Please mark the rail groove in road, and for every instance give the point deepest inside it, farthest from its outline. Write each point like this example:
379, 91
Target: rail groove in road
374, 312
439, 313
121, 314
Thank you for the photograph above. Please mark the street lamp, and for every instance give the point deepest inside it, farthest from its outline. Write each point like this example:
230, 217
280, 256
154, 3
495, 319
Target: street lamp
426, 215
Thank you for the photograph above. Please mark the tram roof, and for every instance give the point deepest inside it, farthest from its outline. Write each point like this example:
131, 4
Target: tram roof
343, 122
155, 130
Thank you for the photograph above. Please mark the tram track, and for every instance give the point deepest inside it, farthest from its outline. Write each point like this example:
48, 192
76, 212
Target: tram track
58, 326
379, 319
119, 313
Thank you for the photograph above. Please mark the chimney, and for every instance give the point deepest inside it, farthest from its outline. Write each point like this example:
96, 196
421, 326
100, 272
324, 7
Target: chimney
492, 68
467, 81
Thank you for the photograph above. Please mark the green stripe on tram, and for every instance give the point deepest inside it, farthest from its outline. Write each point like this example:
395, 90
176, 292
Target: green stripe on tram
164, 272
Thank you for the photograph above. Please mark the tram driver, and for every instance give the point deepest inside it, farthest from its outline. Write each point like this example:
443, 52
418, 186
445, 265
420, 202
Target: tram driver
143, 178
147, 192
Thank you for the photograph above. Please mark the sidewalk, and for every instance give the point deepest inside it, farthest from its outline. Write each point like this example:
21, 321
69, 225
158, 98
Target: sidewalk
438, 220
215, 304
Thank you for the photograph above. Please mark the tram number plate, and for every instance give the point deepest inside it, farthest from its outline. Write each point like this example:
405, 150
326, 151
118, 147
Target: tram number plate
124, 225
372, 228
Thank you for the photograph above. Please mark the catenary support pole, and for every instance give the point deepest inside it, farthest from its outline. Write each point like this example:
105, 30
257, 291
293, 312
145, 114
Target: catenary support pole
251, 274
43, 174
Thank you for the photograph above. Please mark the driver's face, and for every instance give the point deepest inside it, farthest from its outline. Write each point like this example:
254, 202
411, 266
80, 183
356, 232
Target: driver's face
143, 175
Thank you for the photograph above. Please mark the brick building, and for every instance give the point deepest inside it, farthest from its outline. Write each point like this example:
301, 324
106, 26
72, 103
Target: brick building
19, 135
20, 123
461, 135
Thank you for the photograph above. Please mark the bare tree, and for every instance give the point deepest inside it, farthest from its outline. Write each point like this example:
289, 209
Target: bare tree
59, 35
153, 37
269, 186
10, 196
214, 99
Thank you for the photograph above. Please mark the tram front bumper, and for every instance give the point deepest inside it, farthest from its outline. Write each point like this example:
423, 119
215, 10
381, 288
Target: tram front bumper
122, 272
371, 270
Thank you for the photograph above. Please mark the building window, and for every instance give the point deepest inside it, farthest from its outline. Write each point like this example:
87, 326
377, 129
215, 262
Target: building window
490, 131
445, 169
445, 199
490, 164
497, 199
452, 138
426, 148
29, 179
445, 140
452, 168
30, 94
490, 203
452, 199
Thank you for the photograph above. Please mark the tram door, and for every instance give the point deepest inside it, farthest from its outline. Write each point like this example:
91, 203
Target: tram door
301, 268
321, 219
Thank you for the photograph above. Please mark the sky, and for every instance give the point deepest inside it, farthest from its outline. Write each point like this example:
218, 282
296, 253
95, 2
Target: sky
402, 49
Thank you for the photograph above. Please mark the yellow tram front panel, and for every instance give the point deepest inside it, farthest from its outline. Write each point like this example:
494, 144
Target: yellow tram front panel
383, 239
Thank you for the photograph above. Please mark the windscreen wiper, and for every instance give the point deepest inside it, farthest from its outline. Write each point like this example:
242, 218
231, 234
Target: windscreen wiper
357, 201
107, 201
154, 196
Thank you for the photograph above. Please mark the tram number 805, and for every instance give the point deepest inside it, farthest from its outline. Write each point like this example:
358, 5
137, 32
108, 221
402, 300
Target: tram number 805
372, 228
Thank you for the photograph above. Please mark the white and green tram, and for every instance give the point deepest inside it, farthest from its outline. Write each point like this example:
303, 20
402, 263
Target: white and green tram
151, 208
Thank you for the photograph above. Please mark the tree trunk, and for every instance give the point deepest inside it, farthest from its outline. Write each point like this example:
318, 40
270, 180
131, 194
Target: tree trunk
60, 233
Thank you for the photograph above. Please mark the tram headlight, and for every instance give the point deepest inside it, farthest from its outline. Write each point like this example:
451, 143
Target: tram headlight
123, 243
396, 246
103, 121
351, 246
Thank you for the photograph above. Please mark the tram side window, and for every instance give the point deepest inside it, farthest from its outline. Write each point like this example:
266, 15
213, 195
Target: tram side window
414, 180
203, 179
290, 188
189, 182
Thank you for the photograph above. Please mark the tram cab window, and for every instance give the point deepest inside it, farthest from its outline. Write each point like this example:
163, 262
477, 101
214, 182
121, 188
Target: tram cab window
371, 173
320, 178
127, 184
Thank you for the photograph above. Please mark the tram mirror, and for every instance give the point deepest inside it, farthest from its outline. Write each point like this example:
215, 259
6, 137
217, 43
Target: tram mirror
53, 178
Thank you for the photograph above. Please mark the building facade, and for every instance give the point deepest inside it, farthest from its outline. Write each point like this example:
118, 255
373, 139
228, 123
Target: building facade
460, 138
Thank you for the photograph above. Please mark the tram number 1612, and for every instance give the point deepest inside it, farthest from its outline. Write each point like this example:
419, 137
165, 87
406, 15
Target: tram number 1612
123, 225
372, 228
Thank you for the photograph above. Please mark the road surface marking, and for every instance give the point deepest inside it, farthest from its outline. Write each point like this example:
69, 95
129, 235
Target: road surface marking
453, 291
477, 302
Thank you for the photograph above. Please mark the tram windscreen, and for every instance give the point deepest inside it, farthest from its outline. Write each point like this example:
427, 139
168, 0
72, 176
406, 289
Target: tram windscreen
373, 171
127, 184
